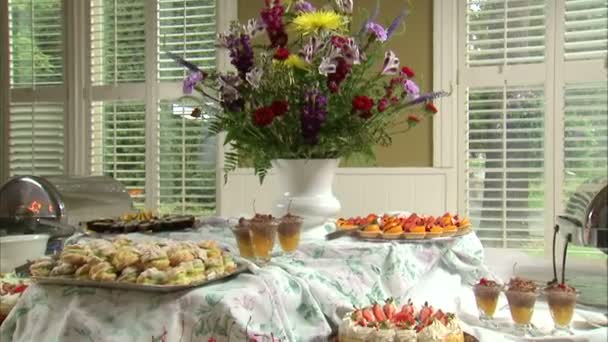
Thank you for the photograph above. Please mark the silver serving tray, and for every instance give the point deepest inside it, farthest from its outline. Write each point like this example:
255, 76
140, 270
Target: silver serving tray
134, 287
404, 240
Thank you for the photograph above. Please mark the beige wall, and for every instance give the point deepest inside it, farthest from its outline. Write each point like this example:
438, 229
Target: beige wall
414, 46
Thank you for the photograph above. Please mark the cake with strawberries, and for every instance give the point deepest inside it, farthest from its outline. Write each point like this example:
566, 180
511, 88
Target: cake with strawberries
389, 323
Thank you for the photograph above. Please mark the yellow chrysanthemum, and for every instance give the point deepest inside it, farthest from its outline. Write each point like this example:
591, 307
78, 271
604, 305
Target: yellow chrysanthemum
313, 22
295, 61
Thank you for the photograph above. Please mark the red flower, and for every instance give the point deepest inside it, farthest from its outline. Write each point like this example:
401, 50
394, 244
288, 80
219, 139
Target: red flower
430, 107
279, 107
263, 116
382, 105
365, 115
408, 72
338, 41
363, 103
281, 54
211, 340
413, 119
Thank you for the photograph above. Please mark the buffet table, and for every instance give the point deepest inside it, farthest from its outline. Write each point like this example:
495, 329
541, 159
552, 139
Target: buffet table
300, 297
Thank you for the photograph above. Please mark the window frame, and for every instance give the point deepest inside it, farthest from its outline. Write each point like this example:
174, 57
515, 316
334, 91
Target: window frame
78, 93
554, 75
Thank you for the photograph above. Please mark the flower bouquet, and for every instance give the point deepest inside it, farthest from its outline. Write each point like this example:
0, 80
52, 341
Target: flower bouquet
307, 84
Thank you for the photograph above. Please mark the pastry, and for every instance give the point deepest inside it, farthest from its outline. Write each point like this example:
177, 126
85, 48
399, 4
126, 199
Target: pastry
103, 271
75, 254
154, 257
128, 275
125, 256
63, 269
82, 273
152, 276
228, 261
180, 253
178, 276
42, 267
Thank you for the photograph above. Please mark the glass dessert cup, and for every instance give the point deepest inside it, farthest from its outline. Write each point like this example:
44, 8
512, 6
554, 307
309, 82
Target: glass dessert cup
486, 298
561, 305
242, 233
521, 305
289, 233
263, 234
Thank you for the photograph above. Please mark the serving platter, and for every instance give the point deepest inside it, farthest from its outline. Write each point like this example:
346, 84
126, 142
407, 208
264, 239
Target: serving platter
413, 240
68, 281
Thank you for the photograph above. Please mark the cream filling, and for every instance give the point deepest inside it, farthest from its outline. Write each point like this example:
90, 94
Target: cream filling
434, 332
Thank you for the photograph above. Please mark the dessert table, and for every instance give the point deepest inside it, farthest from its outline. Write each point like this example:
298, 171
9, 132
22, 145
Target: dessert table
299, 297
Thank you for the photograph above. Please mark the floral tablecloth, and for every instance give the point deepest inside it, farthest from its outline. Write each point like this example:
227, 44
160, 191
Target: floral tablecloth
295, 298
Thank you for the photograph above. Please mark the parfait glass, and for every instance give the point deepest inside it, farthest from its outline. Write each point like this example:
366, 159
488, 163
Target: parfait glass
263, 235
242, 234
521, 305
486, 298
289, 233
561, 306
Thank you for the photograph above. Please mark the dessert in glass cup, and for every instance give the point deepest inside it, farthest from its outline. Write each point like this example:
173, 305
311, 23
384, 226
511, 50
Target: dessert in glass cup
521, 295
562, 300
486, 296
242, 233
263, 233
289, 232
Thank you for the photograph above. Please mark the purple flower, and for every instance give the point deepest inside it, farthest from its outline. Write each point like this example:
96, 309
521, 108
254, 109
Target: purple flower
427, 97
241, 53
314, 114
377, 30
304, 6
395, 24
411, 89
191, 80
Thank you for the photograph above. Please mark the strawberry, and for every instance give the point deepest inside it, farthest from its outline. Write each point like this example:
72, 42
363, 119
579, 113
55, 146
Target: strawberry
368, 314
389, 308
356, 315
362, 322
439, 315
408, 308
378, 312
426, 313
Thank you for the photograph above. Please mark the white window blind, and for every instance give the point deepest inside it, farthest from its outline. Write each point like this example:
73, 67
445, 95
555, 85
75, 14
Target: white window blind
586, 29
505, 32
154, 150
585, 151
36, 113
117, 41
505, 167
119, 144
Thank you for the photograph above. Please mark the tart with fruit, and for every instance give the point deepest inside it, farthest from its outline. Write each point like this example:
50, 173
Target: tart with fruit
391, 323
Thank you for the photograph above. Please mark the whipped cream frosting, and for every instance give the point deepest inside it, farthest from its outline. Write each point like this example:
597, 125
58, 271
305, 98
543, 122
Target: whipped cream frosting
434, 332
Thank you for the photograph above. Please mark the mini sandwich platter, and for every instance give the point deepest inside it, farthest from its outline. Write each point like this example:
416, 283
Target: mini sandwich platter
402, 228
160, 265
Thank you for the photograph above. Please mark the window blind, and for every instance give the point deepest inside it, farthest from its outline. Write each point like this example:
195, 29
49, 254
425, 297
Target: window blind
36, 127
187, 29
586, 29
186, 162
585, 154
36, 139
36, 43
117, 41
505, 165
118, 144
502, 32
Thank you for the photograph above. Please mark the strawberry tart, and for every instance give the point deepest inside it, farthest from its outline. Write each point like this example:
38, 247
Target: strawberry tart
388, 323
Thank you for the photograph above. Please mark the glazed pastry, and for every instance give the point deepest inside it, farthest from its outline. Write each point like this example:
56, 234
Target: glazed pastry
42, 267
208, 244
103, 249
228, 261
128, 275
195, 269
63, 269
180, 253
178, 276
104, 271
152, 276
154, 257
94, 259
213, 272
82, 272
125, 257
75, 254
121, 241
214, 258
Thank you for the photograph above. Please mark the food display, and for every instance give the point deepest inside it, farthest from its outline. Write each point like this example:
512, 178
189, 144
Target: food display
143, 221
158, 262
388, 322
406, 227
11, 288
521, 295
486, 296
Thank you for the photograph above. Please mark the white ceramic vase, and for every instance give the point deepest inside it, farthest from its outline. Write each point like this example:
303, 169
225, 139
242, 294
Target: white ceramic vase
306, 188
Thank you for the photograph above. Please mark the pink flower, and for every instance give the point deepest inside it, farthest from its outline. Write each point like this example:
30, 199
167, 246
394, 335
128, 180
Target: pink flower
382, 105
377, 31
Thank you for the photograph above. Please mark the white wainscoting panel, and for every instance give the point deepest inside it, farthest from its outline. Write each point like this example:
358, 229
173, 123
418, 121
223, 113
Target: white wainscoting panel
360, 191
